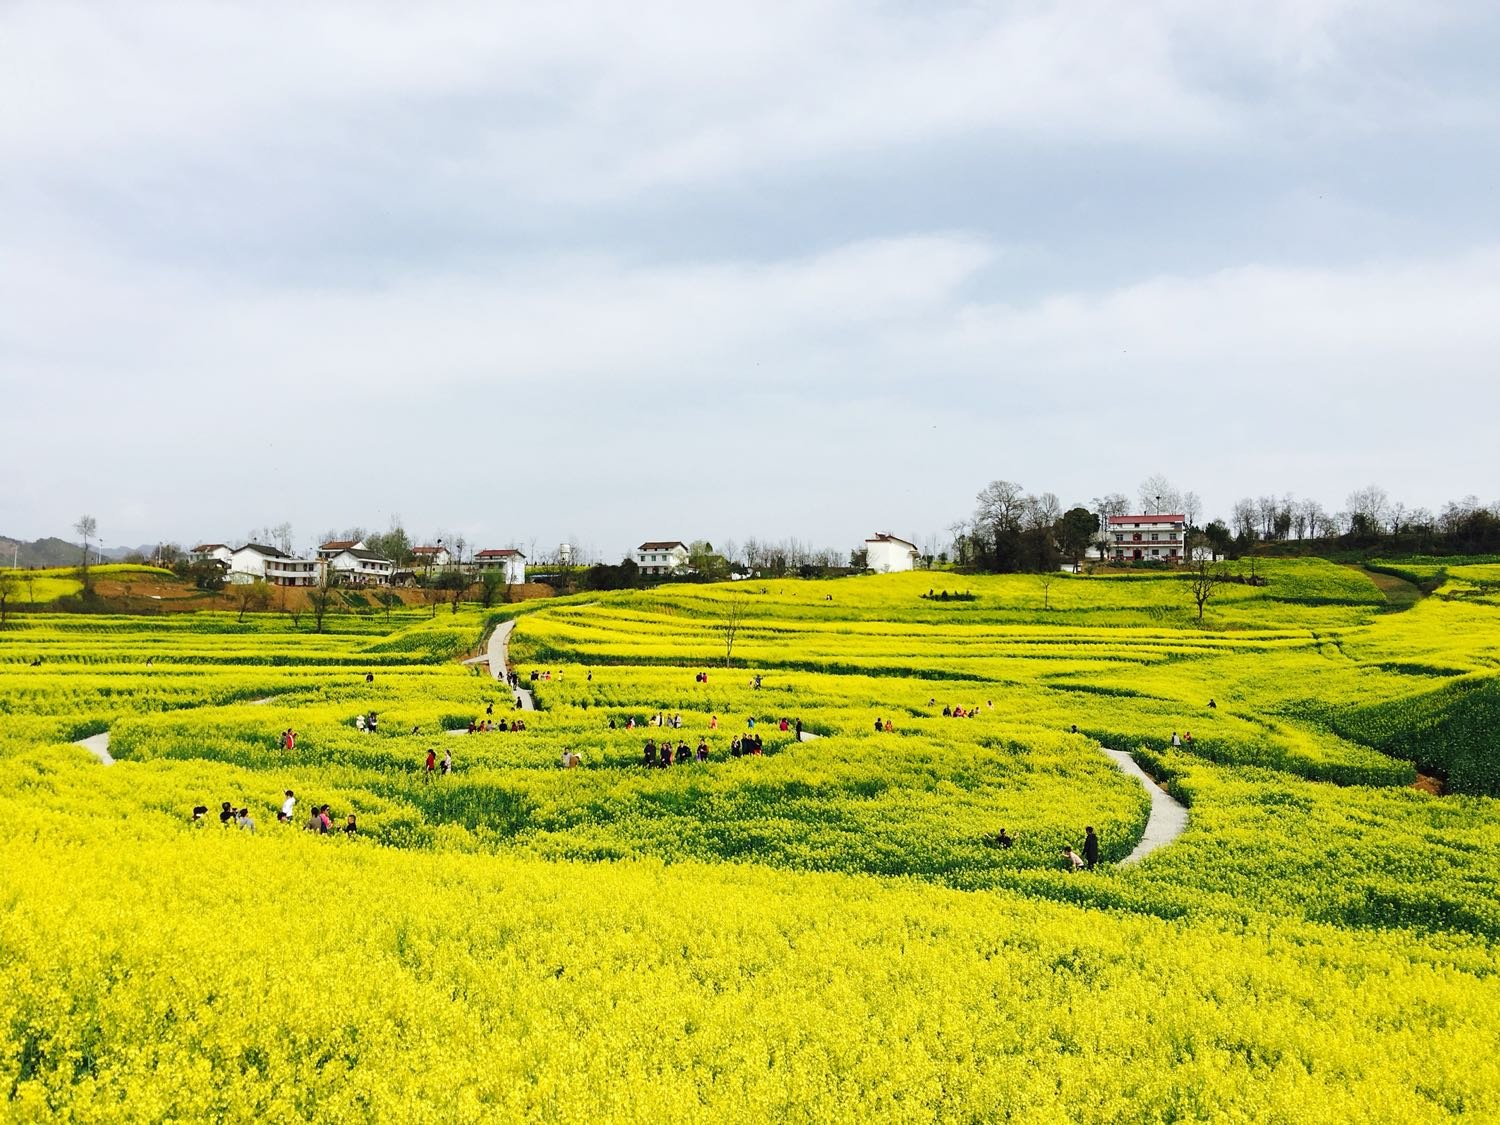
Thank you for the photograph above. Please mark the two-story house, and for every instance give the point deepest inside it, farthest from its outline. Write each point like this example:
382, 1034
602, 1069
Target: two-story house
508, 559
662, 557
1145, 538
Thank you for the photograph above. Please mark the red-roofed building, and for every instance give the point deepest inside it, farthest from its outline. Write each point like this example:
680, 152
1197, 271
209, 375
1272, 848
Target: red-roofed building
1148, 538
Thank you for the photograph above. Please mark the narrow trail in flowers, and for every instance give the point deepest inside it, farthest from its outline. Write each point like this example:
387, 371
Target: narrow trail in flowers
1169, 816
98, 746
499, 661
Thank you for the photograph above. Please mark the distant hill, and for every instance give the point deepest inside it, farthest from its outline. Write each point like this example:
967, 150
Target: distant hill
54, 552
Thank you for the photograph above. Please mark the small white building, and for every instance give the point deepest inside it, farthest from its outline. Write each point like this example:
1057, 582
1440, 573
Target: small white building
507, 559
886, 554
359, 567
212, 552
248, 563
430, 558
660, 557
1147, 538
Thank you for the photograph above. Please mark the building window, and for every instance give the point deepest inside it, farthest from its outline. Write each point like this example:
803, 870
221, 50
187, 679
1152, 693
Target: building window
1153, 537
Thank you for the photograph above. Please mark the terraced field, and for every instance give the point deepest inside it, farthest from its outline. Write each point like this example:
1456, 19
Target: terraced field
821, 930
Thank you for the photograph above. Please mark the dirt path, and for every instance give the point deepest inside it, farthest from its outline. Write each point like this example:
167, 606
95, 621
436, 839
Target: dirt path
1168, 819
1399, 593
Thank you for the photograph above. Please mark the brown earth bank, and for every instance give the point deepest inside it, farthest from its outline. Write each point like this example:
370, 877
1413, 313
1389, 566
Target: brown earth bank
159, 593
1433, 785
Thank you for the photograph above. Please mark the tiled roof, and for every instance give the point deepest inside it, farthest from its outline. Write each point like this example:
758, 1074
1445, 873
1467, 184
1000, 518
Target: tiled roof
201, 547
1161, 517
338, 545
886, 537
498, 553
663, 545
269, 552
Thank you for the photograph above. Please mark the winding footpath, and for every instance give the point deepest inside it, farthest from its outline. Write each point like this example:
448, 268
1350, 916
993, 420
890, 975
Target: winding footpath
1169, 816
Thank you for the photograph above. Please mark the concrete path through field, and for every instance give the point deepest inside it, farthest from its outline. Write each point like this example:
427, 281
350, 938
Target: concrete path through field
1169, 816
499, 657
98, 746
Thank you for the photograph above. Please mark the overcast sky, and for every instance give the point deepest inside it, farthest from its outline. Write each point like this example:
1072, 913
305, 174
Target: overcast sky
613, 272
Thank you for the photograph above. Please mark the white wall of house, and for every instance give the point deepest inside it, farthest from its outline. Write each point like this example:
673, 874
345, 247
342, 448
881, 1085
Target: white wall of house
889, 554
437, 560
654, 559
511, 561
246, 565
351, 568
292, 572
217, 553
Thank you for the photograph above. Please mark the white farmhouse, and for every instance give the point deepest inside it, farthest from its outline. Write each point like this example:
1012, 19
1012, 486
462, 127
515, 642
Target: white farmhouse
358, 566
248, 563
428, 558
212, 552
659, 557
507, 559
283, 570
1148, 538
886, 554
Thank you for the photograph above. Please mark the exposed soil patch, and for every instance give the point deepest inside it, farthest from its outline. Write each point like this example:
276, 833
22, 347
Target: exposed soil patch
1427, 784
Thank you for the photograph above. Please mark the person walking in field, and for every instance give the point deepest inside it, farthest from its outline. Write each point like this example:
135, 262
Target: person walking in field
713, 722
1176, 742
702, 751
447, 766
285, 816
890, 727
359, 723
1090, 847
226, 813
325, 822
429, 765
242, 818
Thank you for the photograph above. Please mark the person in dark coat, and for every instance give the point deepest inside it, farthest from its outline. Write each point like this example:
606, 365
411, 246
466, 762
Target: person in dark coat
1090, 847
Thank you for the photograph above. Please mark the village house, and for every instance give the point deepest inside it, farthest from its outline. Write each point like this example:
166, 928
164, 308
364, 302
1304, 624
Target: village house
659, 557
430, 558
508, 559
357, 566
248, 563
212, 552
1143, 538
335, 546
886, 554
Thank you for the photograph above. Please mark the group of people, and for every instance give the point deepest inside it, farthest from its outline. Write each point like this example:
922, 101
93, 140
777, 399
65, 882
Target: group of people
321, 820
542, 675
1090, 856
663, 756
432, 765
882, 726
1185, 740
229, 817
366, 724
289, 739
488, 726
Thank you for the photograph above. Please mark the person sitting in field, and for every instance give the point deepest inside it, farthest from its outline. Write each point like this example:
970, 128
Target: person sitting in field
350, 828
703, 751
1075, 861
242, 818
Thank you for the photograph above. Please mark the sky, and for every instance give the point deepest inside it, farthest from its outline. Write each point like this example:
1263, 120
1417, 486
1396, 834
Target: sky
599, 272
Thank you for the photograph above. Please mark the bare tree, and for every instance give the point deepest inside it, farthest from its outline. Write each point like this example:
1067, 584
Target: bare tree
1192, 508
87, 527
251, 595
291, 606
1203, 581
736, 606
1157, 494
1244, 518
320, 604
1047, 578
